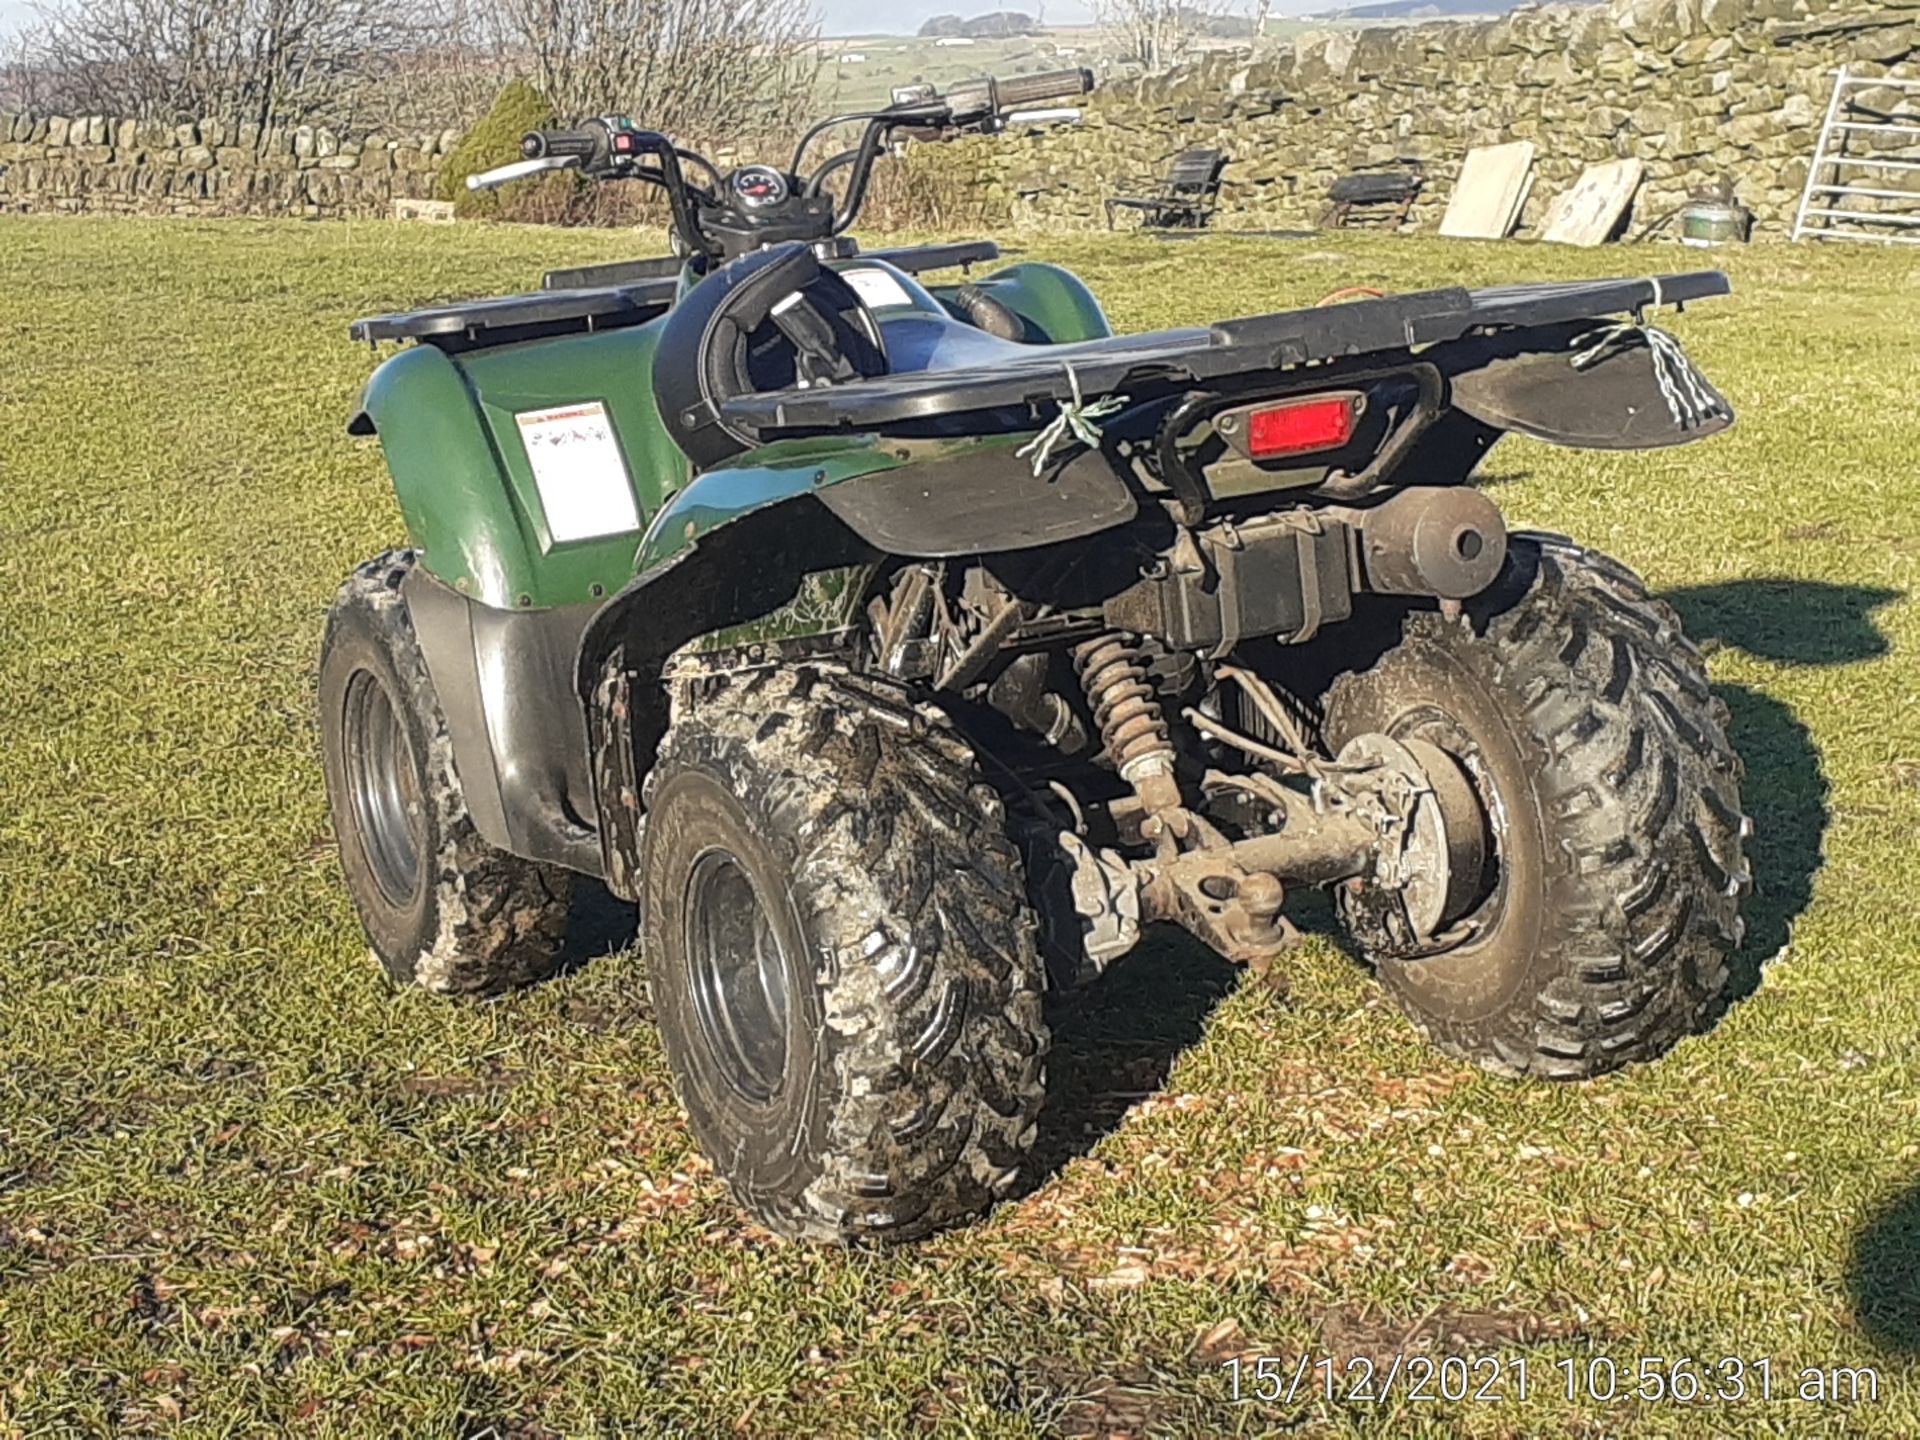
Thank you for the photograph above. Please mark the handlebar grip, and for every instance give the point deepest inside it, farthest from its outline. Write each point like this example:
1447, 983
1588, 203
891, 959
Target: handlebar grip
1018, 92
585, 143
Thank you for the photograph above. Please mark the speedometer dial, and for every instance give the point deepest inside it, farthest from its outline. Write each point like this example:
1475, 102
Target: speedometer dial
758, 186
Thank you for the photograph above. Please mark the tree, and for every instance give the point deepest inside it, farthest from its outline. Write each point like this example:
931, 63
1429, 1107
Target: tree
716, 70
268, 61
1154, 34
495, 140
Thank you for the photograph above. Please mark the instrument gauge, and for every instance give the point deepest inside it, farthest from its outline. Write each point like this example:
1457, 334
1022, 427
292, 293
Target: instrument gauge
758, 187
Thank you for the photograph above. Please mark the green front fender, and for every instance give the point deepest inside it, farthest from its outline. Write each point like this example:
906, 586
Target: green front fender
1056, 304
446, 474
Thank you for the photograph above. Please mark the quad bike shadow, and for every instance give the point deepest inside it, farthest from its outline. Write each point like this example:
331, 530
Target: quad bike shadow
1792, 622
1118, 1040
1806, 623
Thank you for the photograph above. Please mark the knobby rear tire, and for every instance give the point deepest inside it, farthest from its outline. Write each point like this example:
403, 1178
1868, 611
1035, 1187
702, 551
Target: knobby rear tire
1587, 722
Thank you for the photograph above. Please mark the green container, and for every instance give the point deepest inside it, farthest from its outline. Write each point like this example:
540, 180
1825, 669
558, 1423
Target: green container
1711, 222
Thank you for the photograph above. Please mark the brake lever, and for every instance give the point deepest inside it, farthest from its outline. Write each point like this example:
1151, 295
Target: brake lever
520, 170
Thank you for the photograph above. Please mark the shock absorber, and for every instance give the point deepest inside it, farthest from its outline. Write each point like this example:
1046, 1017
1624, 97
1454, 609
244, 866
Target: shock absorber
1113, 672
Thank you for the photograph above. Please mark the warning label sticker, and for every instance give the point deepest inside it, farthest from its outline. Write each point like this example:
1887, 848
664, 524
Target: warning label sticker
577, 467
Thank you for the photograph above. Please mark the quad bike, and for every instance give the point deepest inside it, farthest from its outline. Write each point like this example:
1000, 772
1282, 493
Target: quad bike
906, 650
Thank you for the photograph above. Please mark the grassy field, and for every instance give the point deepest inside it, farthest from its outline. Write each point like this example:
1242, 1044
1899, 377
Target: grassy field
247, 1189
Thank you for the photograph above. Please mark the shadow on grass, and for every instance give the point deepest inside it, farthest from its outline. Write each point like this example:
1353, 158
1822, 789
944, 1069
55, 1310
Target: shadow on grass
598, 923
1115, 1042
1883, 1276
1494, 477
1796, 622
1786, 795
1792, 622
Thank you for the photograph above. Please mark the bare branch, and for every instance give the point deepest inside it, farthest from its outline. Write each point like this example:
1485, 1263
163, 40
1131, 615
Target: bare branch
270, 61
1155, 34
700, 69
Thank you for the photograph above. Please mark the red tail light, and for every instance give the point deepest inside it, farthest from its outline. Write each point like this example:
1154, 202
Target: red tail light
1297, 427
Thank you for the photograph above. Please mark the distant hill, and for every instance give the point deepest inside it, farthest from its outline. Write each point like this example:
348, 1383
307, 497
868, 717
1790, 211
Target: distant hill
996, 24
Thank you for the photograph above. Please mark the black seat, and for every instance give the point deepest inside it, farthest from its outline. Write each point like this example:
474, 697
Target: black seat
1185, 199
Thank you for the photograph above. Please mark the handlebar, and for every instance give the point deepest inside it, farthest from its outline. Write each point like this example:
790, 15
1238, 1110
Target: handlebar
709, 220
518, 170
1021, 91
587, 142
993, 97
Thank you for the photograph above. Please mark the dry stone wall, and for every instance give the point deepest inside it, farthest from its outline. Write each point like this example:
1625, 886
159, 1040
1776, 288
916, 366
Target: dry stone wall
217, 167
1699, 90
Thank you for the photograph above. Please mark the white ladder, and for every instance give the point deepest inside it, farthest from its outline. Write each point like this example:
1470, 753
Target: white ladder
1823, 218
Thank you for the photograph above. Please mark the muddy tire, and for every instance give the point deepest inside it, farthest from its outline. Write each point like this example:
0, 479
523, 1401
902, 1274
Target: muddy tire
441, 908
842, 956
1601, 931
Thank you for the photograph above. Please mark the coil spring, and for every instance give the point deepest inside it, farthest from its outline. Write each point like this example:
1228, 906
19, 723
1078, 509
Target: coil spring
1113, 672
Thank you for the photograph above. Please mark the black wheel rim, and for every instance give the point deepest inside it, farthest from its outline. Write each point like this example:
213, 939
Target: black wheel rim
383, 782
739, 977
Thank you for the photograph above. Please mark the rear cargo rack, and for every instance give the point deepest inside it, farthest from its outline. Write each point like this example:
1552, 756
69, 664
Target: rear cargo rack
1012, 379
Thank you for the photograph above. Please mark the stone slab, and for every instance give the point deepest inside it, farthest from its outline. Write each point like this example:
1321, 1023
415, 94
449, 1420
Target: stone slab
1492, 187
1586, 212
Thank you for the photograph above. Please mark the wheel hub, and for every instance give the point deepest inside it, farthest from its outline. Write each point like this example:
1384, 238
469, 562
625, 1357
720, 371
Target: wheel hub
384, 786
1441, 851
1398, 819
739, 978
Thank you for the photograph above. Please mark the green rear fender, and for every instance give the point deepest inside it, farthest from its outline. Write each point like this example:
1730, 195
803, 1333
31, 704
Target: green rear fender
449, 426
770, 475
740, 543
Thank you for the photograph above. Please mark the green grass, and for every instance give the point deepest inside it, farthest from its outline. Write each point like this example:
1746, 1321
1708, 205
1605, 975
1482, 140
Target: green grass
247, 1189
